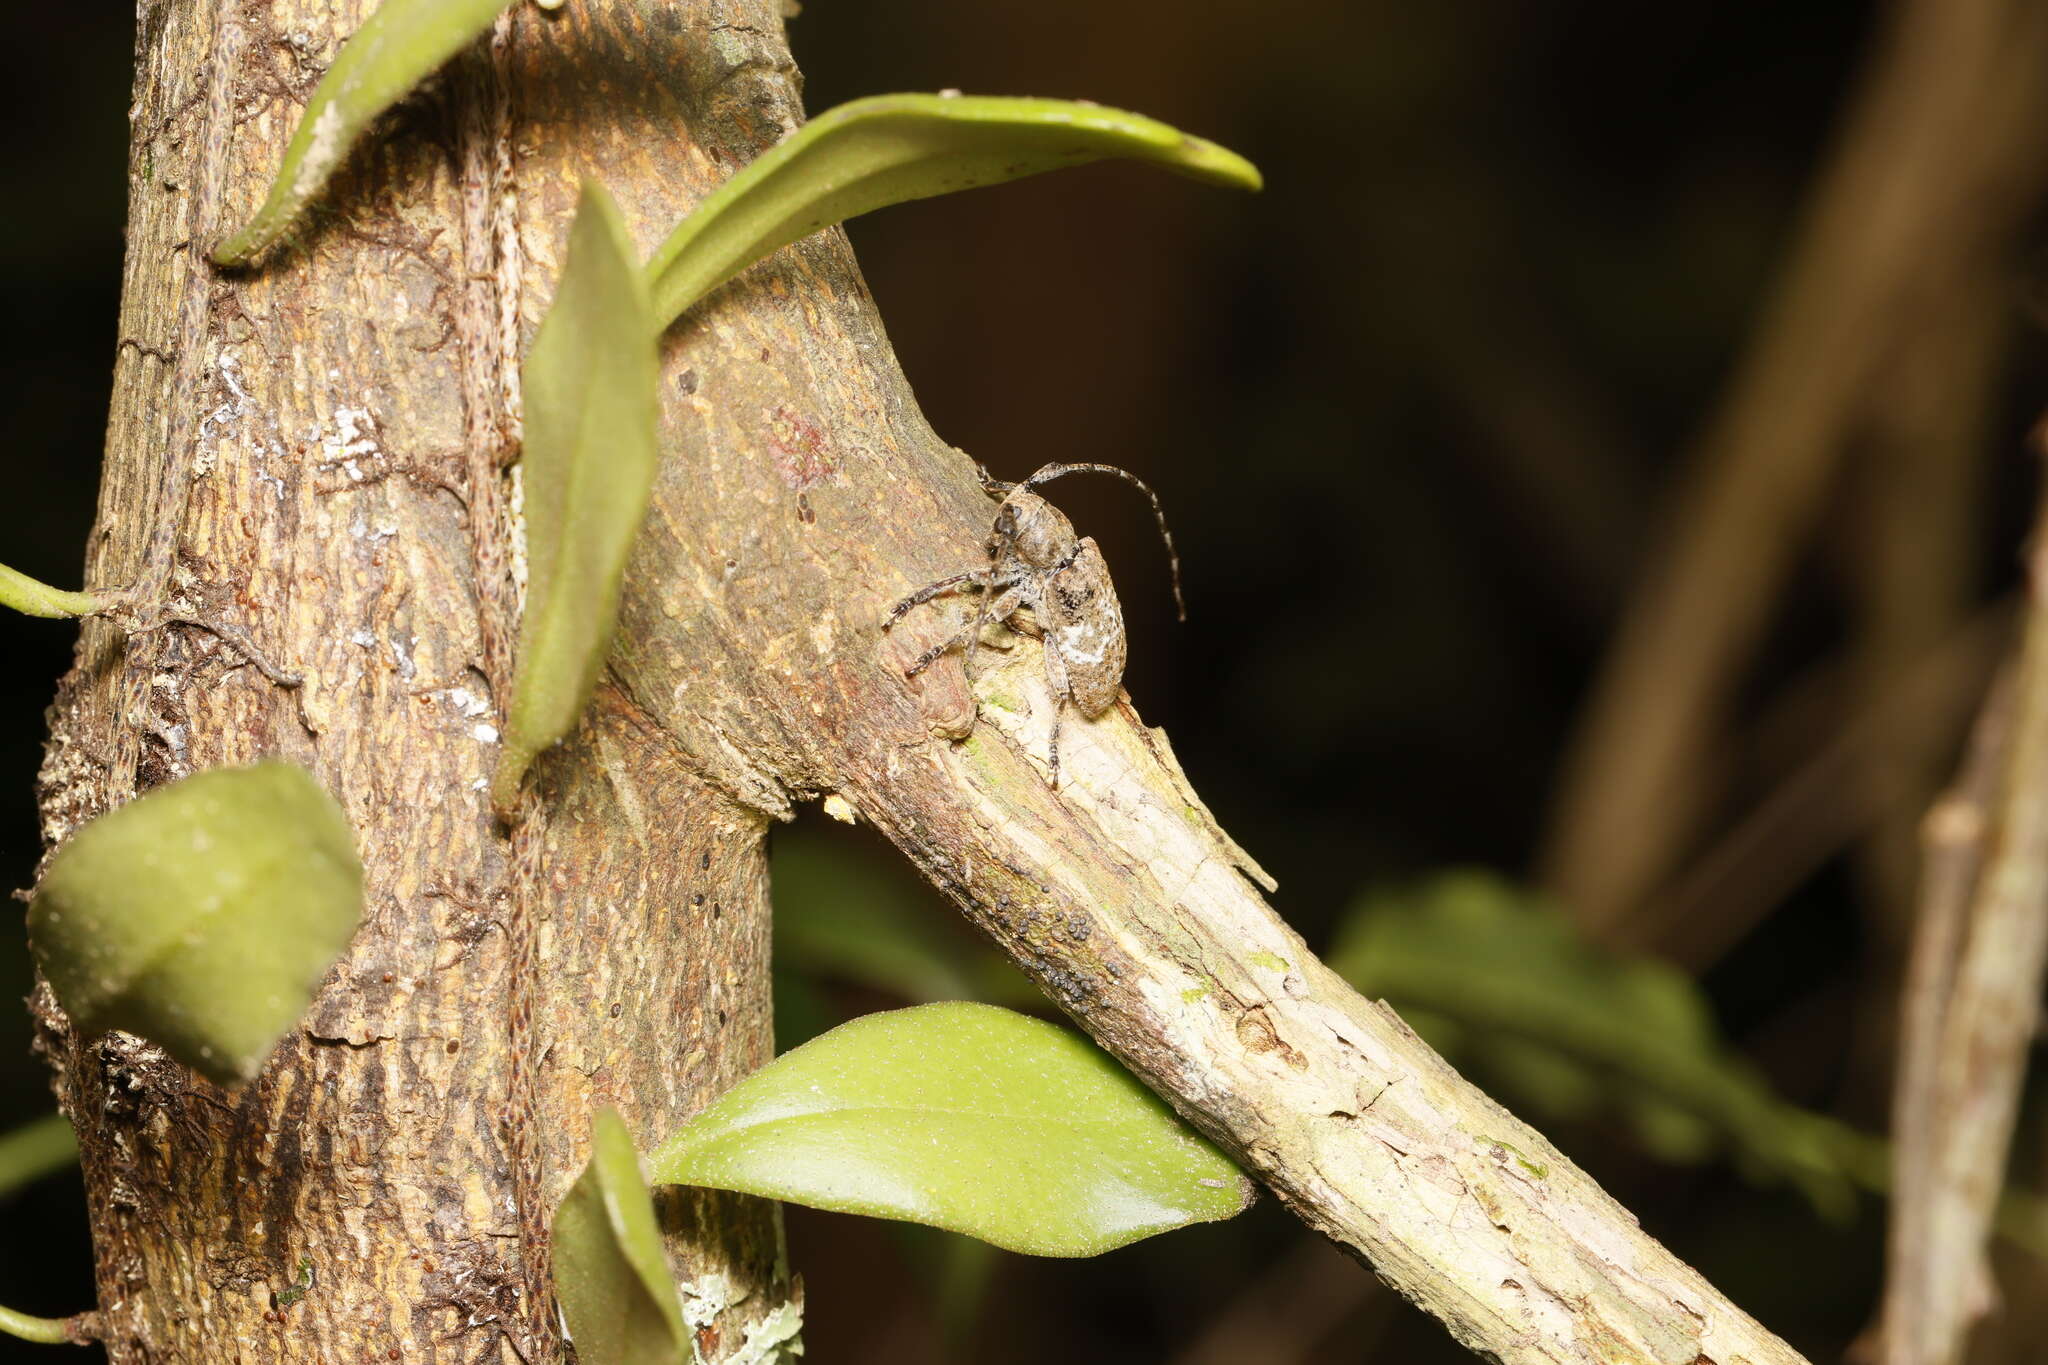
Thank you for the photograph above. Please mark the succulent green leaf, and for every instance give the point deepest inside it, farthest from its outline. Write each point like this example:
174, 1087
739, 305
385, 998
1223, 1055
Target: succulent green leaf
966, 1117
588, 468
1570, 1029
31, 598
610, 1274
395, 49
203, 915
888, 149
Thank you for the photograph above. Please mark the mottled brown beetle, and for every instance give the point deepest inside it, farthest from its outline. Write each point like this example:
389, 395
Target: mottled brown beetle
1035, 561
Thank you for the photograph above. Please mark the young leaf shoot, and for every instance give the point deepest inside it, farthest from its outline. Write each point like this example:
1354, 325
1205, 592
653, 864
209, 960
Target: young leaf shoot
203, 915
966, 1117
889, 149
394, 50
610, 1274
590, 392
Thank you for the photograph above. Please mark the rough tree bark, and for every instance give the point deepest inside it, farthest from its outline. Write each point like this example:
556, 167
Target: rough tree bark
315, 455
312, 455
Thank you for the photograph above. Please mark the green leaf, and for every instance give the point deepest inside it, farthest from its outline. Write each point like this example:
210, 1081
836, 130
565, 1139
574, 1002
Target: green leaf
888, 149
590, 395
203, 915
965, 1117
36, 1149
610, 1274
30, 598
395, 49
838, 915
1566, 1027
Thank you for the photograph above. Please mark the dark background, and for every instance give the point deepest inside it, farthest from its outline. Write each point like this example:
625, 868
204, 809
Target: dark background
1575, 204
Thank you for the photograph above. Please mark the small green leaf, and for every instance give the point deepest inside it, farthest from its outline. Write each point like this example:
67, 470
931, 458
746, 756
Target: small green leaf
610, 1273
888, 149
30, 598
395, 49
1567, 1026
591, 405
965, 1117
203, 915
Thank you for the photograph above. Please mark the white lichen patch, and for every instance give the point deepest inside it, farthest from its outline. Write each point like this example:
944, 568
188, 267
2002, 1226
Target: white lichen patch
227, 368
703, 1300
466, 702
351, 445
775, 1340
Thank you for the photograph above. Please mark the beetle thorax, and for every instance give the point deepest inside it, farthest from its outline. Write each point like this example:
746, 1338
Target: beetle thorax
1038, 533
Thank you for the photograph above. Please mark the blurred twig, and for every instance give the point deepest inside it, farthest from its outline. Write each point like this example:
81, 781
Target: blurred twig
1972, 1003
1919, 485
1940, 159
1860, 776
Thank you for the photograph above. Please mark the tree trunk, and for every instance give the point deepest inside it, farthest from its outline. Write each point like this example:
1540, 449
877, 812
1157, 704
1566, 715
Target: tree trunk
314, 455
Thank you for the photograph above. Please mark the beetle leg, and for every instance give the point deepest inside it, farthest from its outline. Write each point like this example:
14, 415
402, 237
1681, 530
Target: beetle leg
1062, 691
1001, 609
1004, 606
1053, 750
975, 580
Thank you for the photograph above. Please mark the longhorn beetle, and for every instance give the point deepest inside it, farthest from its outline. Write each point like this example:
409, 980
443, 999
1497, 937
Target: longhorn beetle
1035, 561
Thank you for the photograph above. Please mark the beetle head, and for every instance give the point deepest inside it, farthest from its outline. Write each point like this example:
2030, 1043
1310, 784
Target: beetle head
1037, 532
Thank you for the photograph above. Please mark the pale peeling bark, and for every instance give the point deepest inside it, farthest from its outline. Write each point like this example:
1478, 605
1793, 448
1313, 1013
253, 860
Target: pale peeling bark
312, 452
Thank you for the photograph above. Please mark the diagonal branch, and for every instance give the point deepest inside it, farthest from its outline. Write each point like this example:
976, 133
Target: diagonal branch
801, 494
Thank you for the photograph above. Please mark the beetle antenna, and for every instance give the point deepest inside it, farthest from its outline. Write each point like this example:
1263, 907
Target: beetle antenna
1047, 473
990, 484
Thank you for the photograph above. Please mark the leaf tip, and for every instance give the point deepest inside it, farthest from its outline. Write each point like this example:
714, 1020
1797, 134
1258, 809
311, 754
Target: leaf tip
1218, 165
